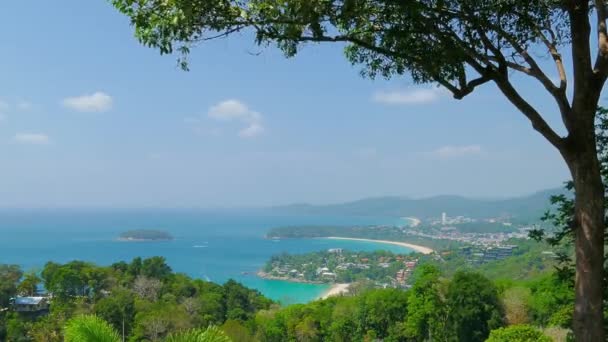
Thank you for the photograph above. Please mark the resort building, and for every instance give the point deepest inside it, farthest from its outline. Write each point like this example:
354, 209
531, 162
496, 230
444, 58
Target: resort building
30, 304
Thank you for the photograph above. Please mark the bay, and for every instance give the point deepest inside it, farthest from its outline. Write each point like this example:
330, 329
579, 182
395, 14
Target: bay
212, 245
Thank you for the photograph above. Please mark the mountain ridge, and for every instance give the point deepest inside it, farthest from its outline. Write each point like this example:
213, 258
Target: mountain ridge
522, 207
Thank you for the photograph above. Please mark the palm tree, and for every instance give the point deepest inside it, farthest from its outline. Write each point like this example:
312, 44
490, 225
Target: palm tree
90, 329
95, 329
211, 334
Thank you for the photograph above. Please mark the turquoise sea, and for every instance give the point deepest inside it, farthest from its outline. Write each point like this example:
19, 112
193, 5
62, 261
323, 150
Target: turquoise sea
212, 245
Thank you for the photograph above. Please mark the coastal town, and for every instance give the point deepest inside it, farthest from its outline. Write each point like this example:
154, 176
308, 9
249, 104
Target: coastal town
338, 266
471, 241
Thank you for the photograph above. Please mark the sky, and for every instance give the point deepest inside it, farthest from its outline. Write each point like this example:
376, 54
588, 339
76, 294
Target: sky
91, 118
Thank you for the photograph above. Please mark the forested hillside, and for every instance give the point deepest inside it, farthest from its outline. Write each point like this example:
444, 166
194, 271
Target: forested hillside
525, 208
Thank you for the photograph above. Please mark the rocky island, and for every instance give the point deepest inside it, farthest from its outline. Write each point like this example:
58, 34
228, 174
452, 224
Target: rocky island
145, 235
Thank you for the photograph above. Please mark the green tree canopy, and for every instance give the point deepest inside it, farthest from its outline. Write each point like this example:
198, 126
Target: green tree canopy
518, 333
9, 278
473, 307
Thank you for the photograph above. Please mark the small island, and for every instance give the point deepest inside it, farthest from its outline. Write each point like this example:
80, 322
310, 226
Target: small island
145, 235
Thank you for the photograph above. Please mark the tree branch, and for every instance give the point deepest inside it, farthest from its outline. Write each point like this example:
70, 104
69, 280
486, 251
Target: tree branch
557, 57
538, 123
558, 93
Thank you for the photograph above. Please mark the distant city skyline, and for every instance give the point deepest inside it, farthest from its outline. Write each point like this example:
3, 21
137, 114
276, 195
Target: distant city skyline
90, 118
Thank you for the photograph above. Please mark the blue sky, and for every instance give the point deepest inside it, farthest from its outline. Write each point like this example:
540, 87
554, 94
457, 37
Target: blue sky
89, 117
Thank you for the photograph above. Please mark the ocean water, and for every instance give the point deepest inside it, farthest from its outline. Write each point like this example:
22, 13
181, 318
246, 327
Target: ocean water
211, 245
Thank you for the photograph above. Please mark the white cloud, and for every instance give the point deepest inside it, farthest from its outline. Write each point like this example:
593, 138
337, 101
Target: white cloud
251, 131
234, 110
457, 151
408, 96
96, 102
32, 138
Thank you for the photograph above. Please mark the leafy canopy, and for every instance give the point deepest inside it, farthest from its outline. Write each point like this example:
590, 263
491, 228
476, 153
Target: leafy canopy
432, 39
517, 333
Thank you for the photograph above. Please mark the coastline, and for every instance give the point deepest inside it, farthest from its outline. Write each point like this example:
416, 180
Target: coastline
267, 276
335, 290
417, 248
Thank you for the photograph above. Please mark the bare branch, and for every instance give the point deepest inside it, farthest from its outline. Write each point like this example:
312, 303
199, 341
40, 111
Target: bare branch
223, 34
465, 87
558, 93
557, 57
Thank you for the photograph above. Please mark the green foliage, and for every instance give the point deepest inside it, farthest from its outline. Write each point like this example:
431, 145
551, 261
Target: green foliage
29, 284
348, 266
465, 307
155, 267
9, 278
551, 295
237, 331
17, 329
473, 307
95, 329
118, 309
211, 334
424, 304
75, 278
144, 295
90, 329
518, 333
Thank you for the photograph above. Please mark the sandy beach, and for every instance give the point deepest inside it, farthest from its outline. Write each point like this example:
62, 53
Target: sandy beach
417, 248
335, 290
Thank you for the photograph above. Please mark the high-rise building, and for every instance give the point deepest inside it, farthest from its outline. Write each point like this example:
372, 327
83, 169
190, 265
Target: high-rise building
444, 218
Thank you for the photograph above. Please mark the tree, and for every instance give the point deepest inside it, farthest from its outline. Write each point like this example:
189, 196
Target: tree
118, 310
155, 267
458, 44
515, 301
236, 331
95, 329
473, 308
517, 333
147, 288
9, 277
29, 285
211, 334
424, 304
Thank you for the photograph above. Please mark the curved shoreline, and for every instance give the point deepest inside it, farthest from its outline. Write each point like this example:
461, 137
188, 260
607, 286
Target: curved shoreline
417, 248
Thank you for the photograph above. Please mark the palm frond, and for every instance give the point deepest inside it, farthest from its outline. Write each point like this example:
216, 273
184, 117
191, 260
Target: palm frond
211, 334
89, 328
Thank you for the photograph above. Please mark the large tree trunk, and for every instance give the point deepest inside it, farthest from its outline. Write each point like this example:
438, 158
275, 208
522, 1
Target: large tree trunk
589, 235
